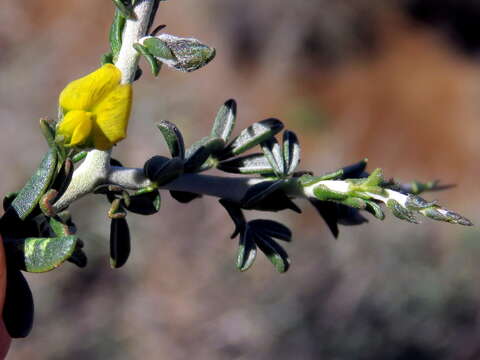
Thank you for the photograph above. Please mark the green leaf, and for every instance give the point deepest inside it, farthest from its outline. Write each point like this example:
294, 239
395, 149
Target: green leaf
375, 209
415, 202
163, 170
155, 66
18, 309
158, 48
36, 186
268, 196
45, 254
79, 156
8, 199
400, 212
252, 136
247, 250
225, 120
248, 164
272, 229
291, 151
63, 178
145, 204
200, 151
48, 131
236, 214
116, 32
328, 212
338, 174
374, 179
59, 227
125, 7
273, 153
184, 197
78, 258
119, 242
173, 137
274, 252
183, 54
356, 170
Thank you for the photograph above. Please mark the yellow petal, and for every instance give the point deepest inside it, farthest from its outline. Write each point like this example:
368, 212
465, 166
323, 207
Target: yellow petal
76, 127
86, 92
112, 113
100, 141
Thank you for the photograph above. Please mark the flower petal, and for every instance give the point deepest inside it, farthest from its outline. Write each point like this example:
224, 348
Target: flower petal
112, 113
86, 92
76, 127
100, 141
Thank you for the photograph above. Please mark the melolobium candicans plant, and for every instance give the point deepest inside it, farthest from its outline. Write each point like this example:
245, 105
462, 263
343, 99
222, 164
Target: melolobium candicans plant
39, 233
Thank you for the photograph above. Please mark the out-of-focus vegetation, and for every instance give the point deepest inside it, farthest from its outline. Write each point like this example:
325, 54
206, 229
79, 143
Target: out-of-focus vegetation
395, 81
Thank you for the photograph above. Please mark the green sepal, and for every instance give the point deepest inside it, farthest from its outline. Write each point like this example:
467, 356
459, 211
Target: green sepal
273, 153
30, 195
119, 242
401, 212
247, 250
79, 156
225, 120
173, 137
45, 254
248, 164
155, 65
252, 136
106, 58
291, 152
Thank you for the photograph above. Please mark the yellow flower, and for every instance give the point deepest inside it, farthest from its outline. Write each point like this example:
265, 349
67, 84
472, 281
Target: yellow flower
95, 109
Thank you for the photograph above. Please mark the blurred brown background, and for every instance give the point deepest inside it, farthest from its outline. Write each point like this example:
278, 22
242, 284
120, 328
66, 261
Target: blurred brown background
395, 81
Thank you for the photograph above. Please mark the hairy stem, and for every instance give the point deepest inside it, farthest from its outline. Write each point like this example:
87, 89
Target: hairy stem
96, 166
231, 188
135, 29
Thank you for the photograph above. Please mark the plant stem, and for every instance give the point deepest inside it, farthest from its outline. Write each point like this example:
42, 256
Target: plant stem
96, 166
